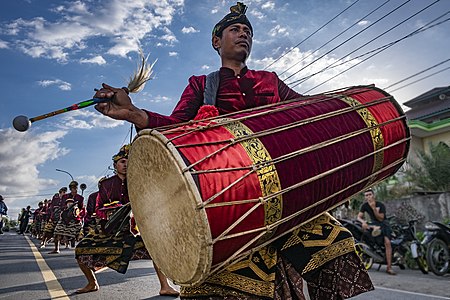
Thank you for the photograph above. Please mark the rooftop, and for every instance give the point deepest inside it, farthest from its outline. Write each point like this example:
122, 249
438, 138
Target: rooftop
437, 94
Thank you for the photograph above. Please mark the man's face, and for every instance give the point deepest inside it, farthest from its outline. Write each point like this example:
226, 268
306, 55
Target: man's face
369, 196
121, 166
235, 43
73, 189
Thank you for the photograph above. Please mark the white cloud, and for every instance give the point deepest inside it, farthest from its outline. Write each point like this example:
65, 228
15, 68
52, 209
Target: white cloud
21, 153
85, 119
125, 23
205, 67
278, 31
62, 85
268, 5
363, 23
99, 60
257, 14
159, 99
305, 65
169, 37
3, 45
173, 53
189, 30
376, 81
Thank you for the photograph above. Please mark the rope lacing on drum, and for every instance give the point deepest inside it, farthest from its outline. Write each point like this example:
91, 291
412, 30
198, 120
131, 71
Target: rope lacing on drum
270, 131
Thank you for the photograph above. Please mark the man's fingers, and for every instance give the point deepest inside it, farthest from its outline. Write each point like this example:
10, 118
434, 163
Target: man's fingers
101, 107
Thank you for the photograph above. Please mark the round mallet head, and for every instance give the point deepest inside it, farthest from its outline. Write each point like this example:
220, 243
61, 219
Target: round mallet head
21, 123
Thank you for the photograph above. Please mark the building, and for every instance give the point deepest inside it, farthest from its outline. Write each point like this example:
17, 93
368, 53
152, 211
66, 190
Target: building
429, 120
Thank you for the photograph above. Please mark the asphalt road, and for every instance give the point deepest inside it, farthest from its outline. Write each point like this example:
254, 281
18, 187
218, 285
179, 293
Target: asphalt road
27, 272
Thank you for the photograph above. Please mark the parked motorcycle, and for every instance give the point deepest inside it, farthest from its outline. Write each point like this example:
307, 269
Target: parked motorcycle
437, 239
370, 244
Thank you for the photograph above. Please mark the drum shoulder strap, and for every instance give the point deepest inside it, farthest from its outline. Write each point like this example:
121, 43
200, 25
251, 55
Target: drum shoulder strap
211, 88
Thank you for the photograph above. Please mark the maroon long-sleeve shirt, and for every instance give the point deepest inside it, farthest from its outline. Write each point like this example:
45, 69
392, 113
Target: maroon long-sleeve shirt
110, 190
236, 92
78, 199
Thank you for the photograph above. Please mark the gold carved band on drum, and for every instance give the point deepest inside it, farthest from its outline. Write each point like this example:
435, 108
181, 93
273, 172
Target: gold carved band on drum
240, 254
264, 199
375, 132
267, 175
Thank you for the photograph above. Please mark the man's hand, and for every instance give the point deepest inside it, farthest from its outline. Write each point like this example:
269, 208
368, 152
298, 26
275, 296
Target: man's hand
364, 225
120, 107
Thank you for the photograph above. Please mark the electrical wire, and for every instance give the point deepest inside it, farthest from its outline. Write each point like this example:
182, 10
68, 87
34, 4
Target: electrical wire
311, 34
343, 72
418, 73
423, 78
377, 51
335, 37
350, 38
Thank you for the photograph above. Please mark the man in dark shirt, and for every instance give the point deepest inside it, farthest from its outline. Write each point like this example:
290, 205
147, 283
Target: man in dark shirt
377, 212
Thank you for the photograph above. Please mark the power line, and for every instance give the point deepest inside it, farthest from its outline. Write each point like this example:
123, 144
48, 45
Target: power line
420, 79
418, 73
27, 196
311, 35
377, 51
380, 35
341, 33
350, 38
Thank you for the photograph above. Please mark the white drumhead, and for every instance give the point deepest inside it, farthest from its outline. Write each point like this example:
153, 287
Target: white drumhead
164, 202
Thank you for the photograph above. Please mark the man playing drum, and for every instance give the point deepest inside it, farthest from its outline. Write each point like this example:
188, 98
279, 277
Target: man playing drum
114, 248
320, 252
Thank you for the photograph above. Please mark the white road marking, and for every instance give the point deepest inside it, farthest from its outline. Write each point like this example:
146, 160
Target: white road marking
54, 288
412, 293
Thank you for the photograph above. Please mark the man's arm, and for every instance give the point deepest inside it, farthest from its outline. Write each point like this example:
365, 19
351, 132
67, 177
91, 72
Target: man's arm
100, 200
121, 107
378, 213
361, 219
285, 92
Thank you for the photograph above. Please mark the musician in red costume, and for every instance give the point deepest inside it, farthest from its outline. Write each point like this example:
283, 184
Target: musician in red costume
54, 214
320, 252
115, 245
69, 231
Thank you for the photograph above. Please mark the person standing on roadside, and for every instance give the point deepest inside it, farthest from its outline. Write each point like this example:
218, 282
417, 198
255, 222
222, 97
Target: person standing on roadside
24, 219
3, 212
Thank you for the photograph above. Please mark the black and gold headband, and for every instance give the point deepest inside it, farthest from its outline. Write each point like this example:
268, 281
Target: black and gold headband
236, 15
123, 153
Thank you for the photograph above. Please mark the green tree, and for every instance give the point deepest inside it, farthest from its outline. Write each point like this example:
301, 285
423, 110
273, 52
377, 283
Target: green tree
432, 171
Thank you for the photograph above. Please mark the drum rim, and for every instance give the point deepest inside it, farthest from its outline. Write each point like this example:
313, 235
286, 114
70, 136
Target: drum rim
205, 256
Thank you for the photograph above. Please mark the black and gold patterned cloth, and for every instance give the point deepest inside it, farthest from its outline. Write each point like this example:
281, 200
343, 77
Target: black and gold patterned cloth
114, 250
308, 249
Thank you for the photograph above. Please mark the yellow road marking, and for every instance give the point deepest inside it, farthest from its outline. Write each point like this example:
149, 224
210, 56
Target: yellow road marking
54, 288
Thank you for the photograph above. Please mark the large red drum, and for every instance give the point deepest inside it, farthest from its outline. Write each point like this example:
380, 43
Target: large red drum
207, 193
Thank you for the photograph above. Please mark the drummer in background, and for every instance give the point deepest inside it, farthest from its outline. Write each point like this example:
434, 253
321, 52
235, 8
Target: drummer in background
276, 271
37, 220
114, 248
89, 218
68, 231
54, 214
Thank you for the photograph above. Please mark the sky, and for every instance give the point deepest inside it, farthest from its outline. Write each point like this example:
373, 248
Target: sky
54, 53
